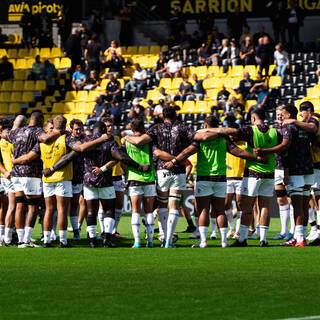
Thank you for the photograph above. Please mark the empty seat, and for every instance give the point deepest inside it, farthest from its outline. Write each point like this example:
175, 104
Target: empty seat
274, 82
5, 96
165, 83
65, 63
3, 108
41, 85
6, 85
17, 85
154, 49
12, 53
176, 83
131, 50
143, 50
58, 108
23, 53
27, 97
28, 85
56, 53
20, 75
69, 107
21, 64
14, 108
212, 83
71, 96
45, 53
201, 71
82, 95
15, 97
237, 71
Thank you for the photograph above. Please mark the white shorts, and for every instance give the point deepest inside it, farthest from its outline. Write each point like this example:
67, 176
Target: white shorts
148, 190
167, 180
30, 186
77, 188
253, 187
296, 182
60, 188
316, 174
210, 188
90, 193
118, 185
278, 176
7, 185
234, 186
2, 189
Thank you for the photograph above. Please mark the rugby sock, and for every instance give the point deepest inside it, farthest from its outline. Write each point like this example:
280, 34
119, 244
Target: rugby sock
160, 227
243, 232
1, 233
299, 233
163, 216
54, 226
213, 224
150, 226
263, 233
101, 216
155, 213
135, 225
20, 233
305, 229
92, 226
223, 233
63, 236
108, 224
8, 235
229, 216
74, 223
292, 221
284, 218
27, 234
190, 223
172, 223
203, 233
311, 217
46, 236
117, 214
196, 220
239, 213
258, 230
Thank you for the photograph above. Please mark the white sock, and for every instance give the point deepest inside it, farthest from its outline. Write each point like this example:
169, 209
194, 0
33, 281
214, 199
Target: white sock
155, 213
284, 218
305, 229
299, 233
150, 226
46, 236
311, 217
117, 214
213, 224
92, 231
8, 235
223, 233
196, 220
203, 233
239, 213
27, 234
20, 233
263, 233
243, 232
54, 225
229, 216
163, 216
74, 222
258, 229
160, 227
172, 223
63, 236
135, 225
2, 233
292, 222
101, 216
108, 223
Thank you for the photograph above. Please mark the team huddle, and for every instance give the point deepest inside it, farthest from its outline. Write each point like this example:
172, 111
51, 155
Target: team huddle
72, 172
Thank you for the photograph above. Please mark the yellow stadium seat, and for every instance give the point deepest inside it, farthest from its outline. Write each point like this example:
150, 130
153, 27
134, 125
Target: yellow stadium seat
143, 50
189, 71
30, 62
28, 85
23, 53
123, 50
17, 85
104, 83
153, 95
93, 94
65, 63
45, 53
313, 93
3, 108
214, 71
69, 107
15, 97
180, 105
212, 83
212, 94
154, 49
6, 85
13, 61
14, 108
153, 61
237, 71
131, 50
56, 53
83, 108
145, 62
41, 85
82, 118
249, 103
20, 75
164, 48
275, 82
165, 83
58, 108
188, 107
201, 71
27, 97
272, 67
33, 52
227, 82
175, 84
21, 64
82, 95
71, 96
3, 52
12, 53
5, 96
121, 83
56, 62
201, 107
251, 69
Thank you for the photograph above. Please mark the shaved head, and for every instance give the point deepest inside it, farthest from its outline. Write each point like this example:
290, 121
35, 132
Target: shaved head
19, 122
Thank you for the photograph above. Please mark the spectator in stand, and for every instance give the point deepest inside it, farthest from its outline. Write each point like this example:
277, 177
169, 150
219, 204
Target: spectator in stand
235, 24
204, 54
261, 93
79, 79
92, 54
73, 48
84, 36
126, 28
202, 62
246, 33
233, 54
138, 81
259, 34
44, 25
64, 26
114, 48
260, 80
233, 105
137, 107
163, 95
96, 21
176, 23
245, 85
279, 20
172, 41
295, 21
223, 54
50, 72
115, 64
198, 89
6, 69
113, 89
247, 52
38, 70
264, 55
157, 112
235, 93
195, 41
26, 24
185, 90
215, 38
98, 112
92, 81
174, 67
115, 112
160, 68
148, 112
281, 60
223, 95
205, 23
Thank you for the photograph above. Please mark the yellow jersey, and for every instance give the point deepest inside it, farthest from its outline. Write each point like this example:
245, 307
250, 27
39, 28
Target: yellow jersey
6, 151
50, 154
235, 165
116, 170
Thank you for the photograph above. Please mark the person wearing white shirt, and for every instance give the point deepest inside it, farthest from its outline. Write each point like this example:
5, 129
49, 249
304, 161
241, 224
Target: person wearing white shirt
174, 66
138, 80
281, 60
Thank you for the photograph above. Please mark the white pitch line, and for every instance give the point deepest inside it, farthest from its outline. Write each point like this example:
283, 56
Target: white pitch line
302, 318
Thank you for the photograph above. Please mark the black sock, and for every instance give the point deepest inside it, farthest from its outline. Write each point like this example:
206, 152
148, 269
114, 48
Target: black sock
190, 223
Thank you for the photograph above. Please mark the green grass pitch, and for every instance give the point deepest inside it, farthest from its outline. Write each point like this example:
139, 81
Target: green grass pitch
183, 283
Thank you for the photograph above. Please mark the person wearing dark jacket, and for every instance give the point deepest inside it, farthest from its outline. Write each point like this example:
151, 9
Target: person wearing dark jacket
6, 69
73, 48
264, 54
295, 21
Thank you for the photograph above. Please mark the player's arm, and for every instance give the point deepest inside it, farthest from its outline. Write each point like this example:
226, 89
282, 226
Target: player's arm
283, 146
52, 136
4, 171
213, 133
162, 155
188, 170
181, 157
306, 126
244, 154
138, 140
98, 171
26, 158
90, 144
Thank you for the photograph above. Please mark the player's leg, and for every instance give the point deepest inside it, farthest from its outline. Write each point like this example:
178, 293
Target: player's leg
196, 233
213, 218
186, 214
229, 213
51, 206
238, 216
118, 186
108, 204
62, 209
82, 211
203, 206
21, 208
218, 205
3, 212
92, 207
9, 221
136, 200
163, 212
264, 221
148, 205
74, 205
